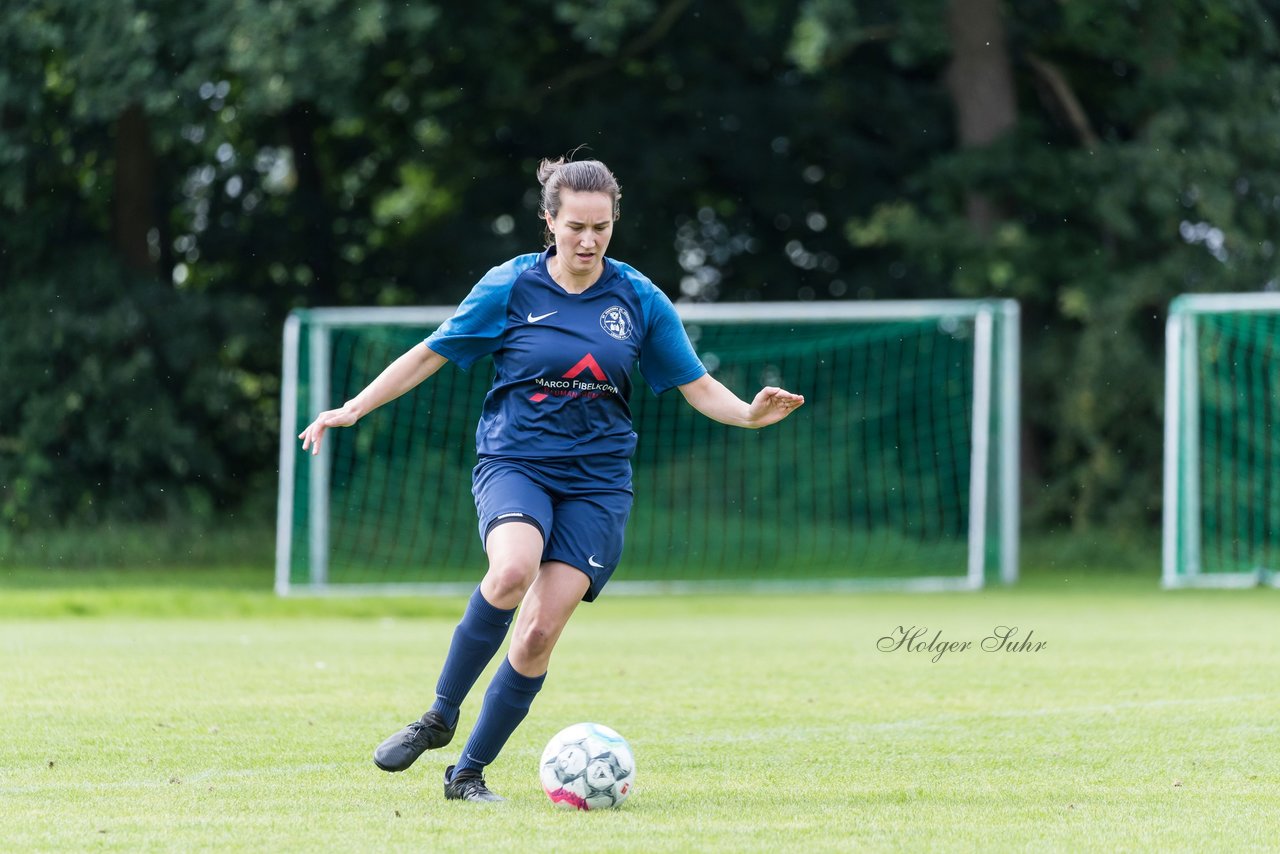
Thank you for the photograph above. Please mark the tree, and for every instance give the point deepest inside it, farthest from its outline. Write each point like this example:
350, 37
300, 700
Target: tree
160, 371
175, 179
980, 82
1143, 173
219, 165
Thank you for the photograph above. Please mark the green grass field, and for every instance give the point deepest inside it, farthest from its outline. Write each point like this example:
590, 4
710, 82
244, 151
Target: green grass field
137, 717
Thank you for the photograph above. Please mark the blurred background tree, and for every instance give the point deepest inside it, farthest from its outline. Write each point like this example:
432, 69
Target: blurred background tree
175, 178
1142, 165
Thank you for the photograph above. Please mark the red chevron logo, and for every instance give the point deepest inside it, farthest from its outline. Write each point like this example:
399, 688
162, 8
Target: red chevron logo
588, 363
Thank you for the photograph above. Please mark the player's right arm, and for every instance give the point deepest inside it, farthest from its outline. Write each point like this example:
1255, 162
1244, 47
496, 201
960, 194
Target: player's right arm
402, 375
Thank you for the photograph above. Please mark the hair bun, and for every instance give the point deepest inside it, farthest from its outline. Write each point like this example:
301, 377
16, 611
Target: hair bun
547, 168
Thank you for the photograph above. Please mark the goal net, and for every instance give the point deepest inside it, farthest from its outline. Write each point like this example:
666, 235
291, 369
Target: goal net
1222, 441
901, 468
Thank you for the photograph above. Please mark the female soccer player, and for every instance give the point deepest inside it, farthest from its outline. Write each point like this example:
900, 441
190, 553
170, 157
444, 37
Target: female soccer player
552, 486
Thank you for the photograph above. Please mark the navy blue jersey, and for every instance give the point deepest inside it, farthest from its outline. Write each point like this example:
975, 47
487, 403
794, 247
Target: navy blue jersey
563, 361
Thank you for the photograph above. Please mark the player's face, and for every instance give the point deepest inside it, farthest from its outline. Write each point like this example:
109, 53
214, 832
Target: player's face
582, 230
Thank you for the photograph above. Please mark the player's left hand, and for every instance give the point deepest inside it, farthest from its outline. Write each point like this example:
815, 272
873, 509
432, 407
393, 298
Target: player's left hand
772, 405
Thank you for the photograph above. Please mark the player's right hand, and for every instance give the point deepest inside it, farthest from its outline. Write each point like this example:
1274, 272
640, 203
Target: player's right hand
344, 416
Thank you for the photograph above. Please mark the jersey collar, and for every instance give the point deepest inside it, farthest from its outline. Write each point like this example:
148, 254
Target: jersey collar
610, 270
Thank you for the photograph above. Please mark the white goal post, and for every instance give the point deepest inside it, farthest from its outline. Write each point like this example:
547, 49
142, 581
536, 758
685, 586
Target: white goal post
1221, 513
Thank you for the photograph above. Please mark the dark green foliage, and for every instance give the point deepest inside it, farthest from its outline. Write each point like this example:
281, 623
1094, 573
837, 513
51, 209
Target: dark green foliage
126, 400
320, 153
1177, 190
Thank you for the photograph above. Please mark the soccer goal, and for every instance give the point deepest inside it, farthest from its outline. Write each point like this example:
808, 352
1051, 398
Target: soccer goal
1222, 441
901, 469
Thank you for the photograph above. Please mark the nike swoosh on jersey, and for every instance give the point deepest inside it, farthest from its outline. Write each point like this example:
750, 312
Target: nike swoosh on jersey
534, 319
592, 561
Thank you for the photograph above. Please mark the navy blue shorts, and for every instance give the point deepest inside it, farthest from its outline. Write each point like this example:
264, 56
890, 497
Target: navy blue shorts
580, 505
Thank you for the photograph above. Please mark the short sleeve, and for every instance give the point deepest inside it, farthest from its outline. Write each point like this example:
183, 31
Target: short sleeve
477, 327
667, 358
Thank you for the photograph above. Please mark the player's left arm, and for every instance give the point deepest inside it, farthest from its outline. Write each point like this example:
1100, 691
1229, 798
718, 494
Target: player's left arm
710, 397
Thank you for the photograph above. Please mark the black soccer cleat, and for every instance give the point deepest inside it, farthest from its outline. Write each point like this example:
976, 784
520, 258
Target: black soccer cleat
401, 750
467, 786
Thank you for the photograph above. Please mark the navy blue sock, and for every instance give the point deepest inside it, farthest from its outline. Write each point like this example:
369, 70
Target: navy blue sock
475, 640
505, 705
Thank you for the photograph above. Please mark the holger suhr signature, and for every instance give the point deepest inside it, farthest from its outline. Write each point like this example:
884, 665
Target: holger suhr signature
916, 639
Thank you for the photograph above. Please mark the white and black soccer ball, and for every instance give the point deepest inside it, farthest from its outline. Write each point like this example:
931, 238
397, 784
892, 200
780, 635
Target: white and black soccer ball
587, 767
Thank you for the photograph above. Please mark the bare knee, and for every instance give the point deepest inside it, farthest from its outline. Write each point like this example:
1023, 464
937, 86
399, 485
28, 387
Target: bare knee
533, 643
505, 583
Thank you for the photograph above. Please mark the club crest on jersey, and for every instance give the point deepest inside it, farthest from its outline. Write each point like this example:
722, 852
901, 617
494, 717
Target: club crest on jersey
617, 322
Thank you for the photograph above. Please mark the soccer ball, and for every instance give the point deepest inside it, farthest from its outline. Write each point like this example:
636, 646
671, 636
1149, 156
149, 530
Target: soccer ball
587, 767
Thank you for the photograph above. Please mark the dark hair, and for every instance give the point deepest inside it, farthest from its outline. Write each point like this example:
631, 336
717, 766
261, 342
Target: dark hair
580, 176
